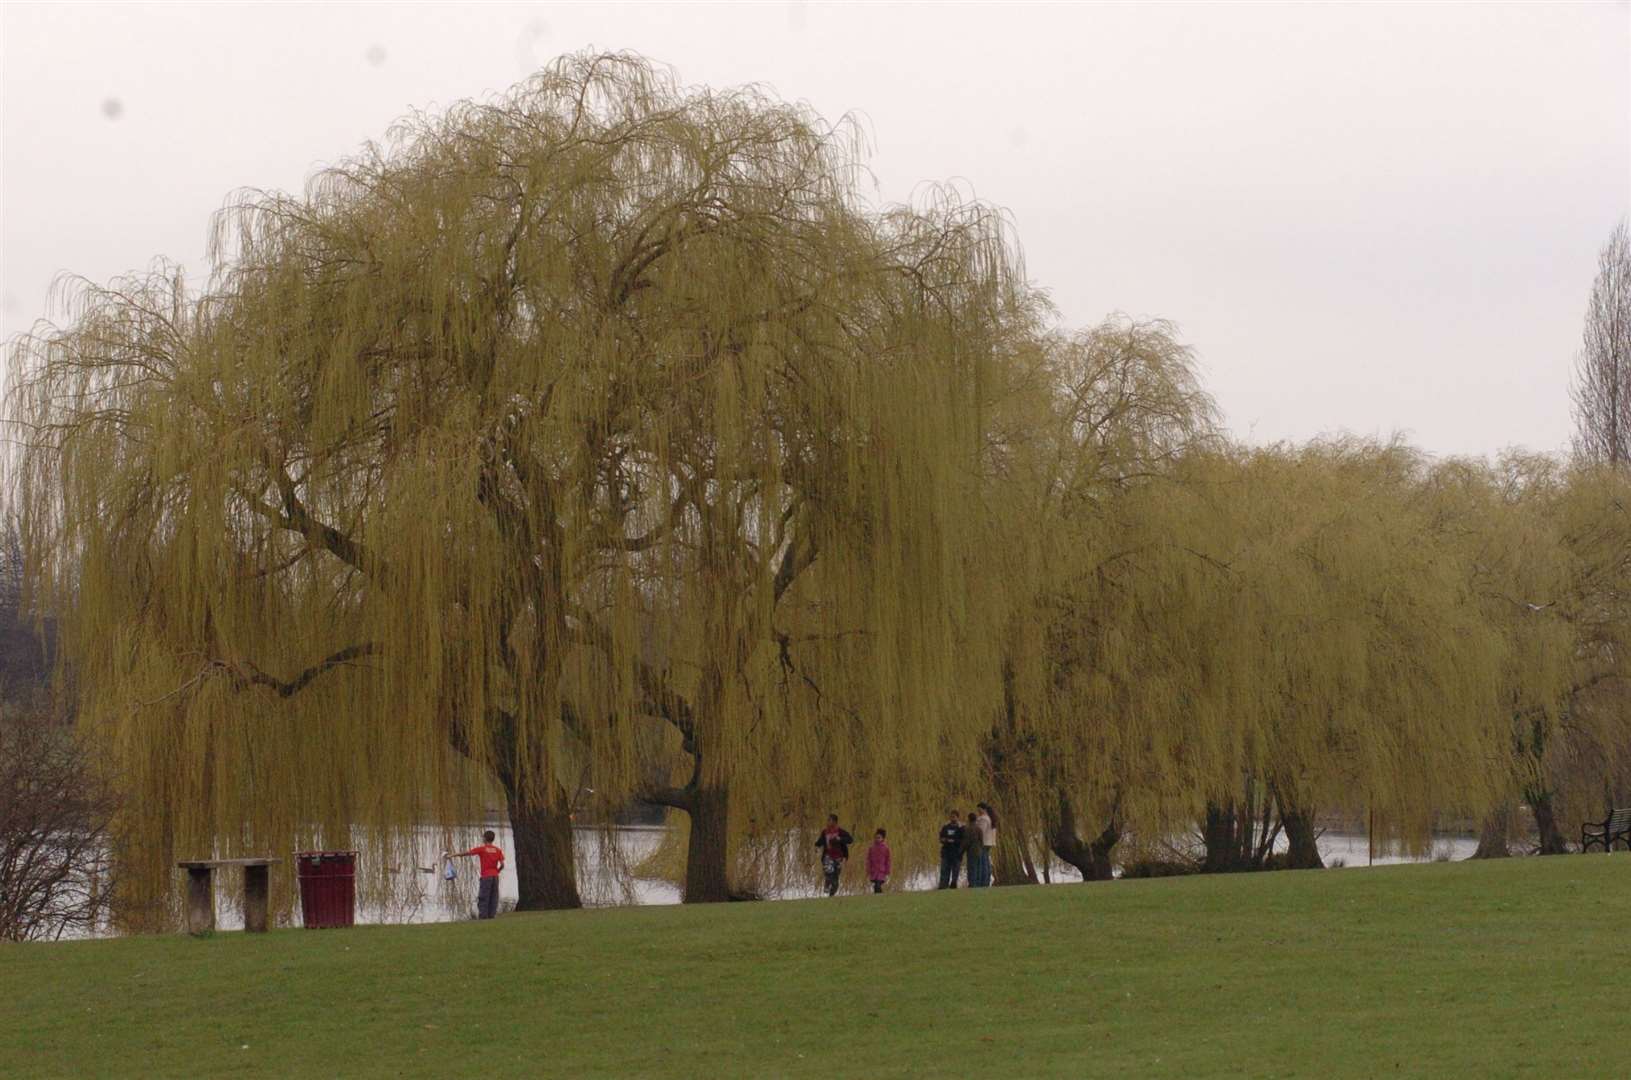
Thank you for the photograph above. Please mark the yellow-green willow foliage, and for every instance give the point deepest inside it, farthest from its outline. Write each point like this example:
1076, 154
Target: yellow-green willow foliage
1547, 548
1590, 767
849, 672
1099, 715
597, 442
1249, 638
563, 420
1349, 652
817, 617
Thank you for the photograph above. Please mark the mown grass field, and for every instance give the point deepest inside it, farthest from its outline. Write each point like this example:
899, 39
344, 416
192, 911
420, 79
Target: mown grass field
1518, 968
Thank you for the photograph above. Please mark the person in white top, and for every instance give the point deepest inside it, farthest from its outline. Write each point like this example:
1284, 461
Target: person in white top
986, 823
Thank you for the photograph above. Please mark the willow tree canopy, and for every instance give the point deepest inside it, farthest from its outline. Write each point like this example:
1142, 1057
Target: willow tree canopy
601, 405
1547, 549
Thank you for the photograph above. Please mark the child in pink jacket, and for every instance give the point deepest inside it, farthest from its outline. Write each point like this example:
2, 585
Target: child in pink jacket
877, 862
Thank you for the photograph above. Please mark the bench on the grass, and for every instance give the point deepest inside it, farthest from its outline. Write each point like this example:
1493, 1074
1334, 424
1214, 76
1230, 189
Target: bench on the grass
201, 892
1616, 827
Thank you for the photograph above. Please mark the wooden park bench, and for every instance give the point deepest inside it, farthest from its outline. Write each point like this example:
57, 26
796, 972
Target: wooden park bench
1616, 827
201, 892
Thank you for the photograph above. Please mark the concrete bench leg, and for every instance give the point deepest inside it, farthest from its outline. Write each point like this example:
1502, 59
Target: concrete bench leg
200, 900
256, 891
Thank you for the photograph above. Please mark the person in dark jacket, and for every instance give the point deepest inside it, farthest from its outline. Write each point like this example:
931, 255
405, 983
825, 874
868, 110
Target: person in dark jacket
973, 849
951, 851
834, 844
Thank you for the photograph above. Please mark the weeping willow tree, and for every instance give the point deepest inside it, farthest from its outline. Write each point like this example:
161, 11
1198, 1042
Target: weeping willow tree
1593, 771
1548, 551
1259, 637
1262, 637
1094, 708
812, 621
1357, 670
556, 422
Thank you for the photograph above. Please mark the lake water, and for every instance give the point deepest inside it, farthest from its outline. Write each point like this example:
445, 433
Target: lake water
422, 897
430, 899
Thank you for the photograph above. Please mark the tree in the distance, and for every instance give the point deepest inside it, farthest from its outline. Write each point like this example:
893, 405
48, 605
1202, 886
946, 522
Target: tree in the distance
1601, 388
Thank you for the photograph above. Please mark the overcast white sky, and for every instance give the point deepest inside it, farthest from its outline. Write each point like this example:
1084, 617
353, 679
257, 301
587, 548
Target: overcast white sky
1372, 218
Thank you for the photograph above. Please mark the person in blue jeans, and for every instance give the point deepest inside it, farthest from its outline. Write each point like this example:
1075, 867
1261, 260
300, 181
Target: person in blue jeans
987, 822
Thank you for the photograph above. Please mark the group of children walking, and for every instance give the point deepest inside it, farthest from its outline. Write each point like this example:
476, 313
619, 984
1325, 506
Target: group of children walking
961, 843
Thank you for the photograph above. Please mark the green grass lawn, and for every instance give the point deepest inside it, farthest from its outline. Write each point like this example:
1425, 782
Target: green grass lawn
1516, 968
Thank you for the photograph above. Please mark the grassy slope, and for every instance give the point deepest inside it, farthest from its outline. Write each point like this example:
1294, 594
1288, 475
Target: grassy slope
1486, 970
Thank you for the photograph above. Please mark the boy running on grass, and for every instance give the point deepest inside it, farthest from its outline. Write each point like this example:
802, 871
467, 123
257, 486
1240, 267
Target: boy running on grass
492, 864
834, 844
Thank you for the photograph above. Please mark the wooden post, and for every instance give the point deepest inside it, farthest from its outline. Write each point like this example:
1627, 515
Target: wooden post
256, 892
201, 893
200, 900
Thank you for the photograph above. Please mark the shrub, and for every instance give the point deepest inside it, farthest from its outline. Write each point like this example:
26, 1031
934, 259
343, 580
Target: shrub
55, 811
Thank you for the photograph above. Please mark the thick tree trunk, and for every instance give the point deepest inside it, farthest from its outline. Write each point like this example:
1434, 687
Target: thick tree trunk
1030, 861
1493, 837
1092, 859
707, 852
545, 863
1221, 833
1302, 852
1099, 852
1551, 838
706, 796
546, 867
1011, 861
1241, 834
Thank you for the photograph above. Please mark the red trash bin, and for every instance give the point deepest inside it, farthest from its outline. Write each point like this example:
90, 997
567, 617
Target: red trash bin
328, 888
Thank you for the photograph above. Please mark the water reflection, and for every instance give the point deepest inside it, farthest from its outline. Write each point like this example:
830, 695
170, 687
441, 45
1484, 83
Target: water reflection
422, 897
